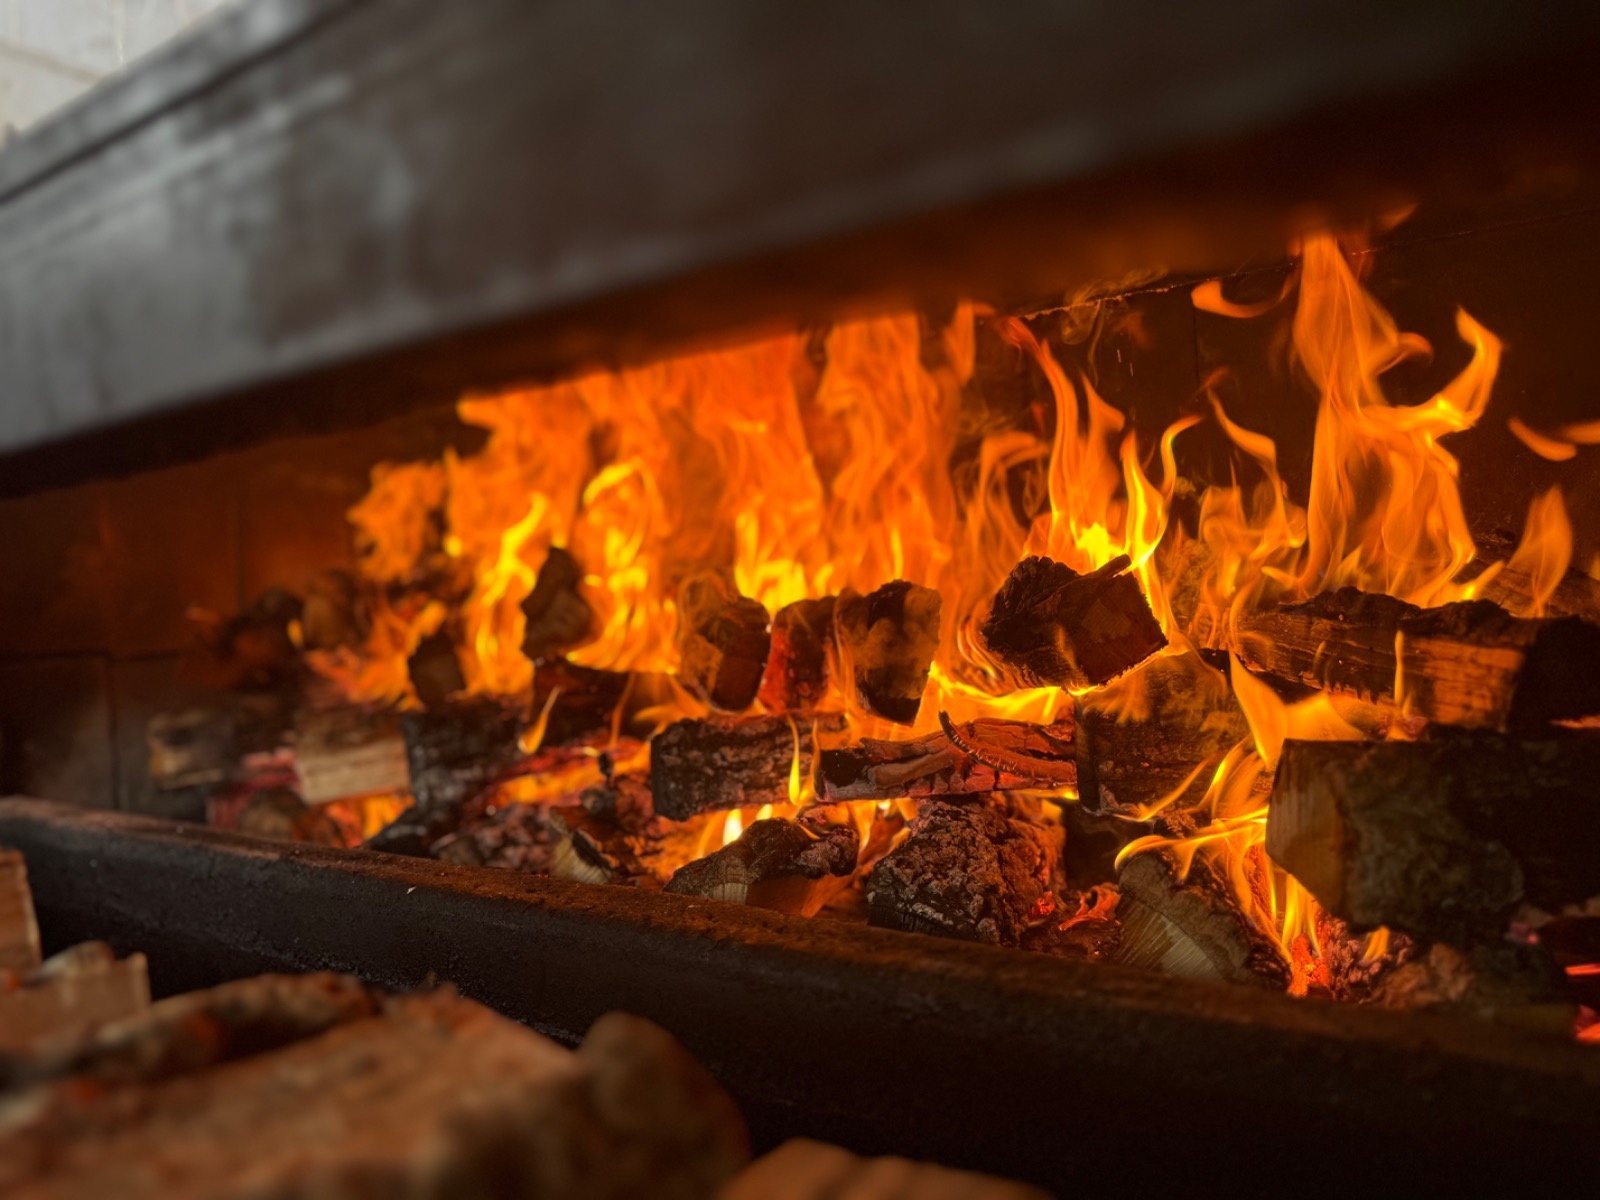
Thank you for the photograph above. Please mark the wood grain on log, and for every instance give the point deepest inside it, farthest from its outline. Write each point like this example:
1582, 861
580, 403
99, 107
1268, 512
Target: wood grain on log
703, 765
723, 641
797, 671
782, 865
346, 752
1042, 757
1050, 626
966, 871
1468, 664
1441, 838
886, 643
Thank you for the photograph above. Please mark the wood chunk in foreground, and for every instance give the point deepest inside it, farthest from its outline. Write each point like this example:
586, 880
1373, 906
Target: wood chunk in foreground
967, 871
1052, 627
70, 994
699, 766
797, 672
19, 931
1469, 664
807, 1170
431, 1096
1191, 928
1443, 838
776, 864
1033, 757
723, 641
887, 640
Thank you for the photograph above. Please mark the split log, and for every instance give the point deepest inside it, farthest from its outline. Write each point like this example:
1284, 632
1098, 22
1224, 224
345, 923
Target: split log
966, 871
19, 931
1158, 734
776, 864
1575, 594
558, 617
454, 752
1191, 928
346, 752
1049, 626
886, 642
797, 671
191, 748
579, 705
806, 1170
699, 766
1443, 838
1020, 756
435, 669
431, 1096
723, 641
69, 995
1468, 664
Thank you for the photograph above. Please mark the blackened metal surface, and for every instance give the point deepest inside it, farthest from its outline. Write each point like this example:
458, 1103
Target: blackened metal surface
349, 205
1072, 1075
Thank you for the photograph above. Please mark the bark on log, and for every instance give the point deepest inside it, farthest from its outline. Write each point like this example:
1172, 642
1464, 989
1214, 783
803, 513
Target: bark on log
1467, 664
886, 643
558, 617
723, 641
1443, 838
1049, 626
776, 864
1036, 757
19, 931
966, 871
454, 752
699, 766
1191, 928
797, 672
352, 751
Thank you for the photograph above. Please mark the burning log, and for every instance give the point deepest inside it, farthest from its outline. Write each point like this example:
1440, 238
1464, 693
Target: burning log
796, 677
722, 640
992, 756
352, 751
454, 752
615, 836
1052, 627
579, 705
435, 670
699, 766
1443, 838
558, 617
886, 643
776, 864
1468, 664
1133, 751
1192, 928
19, 931
966, 871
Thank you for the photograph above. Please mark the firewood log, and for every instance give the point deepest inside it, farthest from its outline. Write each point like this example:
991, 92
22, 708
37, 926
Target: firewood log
699, 766
1467, 664
558, 617
435, 669
723, 641
1575, 594
432, 1096
1497, 981
1035, 757
886, 642
455, 751
782, 865
19, 931
614, 836
70, 994
579, 705
806, 1170
1191, 928
797, 671
966, 871
351, 751
1442, 838
1049, 626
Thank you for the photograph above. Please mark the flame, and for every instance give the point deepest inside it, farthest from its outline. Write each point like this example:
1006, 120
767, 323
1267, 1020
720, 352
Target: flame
1545, 552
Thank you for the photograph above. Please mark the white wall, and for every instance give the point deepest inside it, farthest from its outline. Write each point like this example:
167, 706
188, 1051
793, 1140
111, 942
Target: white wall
51, 50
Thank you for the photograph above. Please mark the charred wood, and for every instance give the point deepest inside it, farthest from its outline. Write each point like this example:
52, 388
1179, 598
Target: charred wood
1443, 838
1499, 981
435, 670
1053, 627
886, 643
1191, 927
723, 641
797, 671
966, 871
454, 752
1468, 664
558, 617
703, 765
1020, 756
579, 705
782, 865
